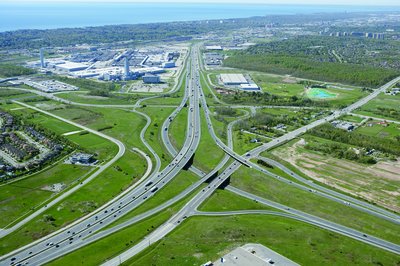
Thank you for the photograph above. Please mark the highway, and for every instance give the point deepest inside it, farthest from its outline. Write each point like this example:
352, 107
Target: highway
48, 248
198, 199
87, 229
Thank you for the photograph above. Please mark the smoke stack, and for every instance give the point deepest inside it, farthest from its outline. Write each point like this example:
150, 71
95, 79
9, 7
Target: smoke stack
42, 58
126, 67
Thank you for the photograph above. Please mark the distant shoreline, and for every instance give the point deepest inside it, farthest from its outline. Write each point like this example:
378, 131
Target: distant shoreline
43, 16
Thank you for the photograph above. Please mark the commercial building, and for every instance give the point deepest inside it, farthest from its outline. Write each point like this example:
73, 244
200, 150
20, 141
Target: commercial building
249, 87
150, 78
82, 158
233, 79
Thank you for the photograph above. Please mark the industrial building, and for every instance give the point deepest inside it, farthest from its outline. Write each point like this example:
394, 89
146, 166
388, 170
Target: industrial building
150, 78
168, 64
249, 87
214, 47
70, 67
233, 79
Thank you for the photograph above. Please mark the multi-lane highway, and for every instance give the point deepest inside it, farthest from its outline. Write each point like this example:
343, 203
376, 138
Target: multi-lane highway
48, 248
87, 229
197, 200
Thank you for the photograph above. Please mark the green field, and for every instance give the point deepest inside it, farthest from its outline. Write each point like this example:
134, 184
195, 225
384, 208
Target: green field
269, 188
84, 97
153, 133
208, 154
219, 235
224, 200
383, 106
177, 129
24, 196
115, 179
374, 129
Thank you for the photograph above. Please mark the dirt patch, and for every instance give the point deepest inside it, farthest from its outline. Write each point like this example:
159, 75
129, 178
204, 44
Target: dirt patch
290, 80
93, 97
369, 182
49, 106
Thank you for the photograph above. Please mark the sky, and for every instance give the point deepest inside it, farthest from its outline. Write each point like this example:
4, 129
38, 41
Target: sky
298, 2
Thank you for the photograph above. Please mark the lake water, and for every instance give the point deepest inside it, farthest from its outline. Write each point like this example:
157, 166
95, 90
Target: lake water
46, 15
320, 94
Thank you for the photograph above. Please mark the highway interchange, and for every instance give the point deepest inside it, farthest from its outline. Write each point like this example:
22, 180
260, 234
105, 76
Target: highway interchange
86, 230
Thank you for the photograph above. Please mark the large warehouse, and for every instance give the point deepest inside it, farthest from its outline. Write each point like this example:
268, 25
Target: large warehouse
233, 79
71, 66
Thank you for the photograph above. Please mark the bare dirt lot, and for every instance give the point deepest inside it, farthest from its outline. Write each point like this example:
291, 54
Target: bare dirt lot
379, 183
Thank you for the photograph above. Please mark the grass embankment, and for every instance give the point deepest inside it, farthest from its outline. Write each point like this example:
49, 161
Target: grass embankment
178, 129
103, 188
255, 182
201, 239
153, 133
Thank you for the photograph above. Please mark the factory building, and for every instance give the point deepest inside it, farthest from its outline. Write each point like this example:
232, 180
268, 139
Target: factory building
249, 87
70, 67
169, 64
150, 78
233, 79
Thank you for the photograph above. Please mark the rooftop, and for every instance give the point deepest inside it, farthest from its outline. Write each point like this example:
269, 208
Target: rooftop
233, 79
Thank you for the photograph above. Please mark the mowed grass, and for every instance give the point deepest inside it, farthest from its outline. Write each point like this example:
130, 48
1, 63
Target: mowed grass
121, 124
380, 131
24, 196
208, 154
83, 97
153, 133
178, 129
126, 171
224, 200
103, 149
201, 239
45, 121
257, 183
241, 142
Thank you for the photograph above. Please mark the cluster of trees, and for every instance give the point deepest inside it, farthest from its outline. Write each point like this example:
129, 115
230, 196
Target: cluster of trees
386, 145
8, 70
340, 151
258, 98
388, 112
225, 111
311, 69
333, 49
